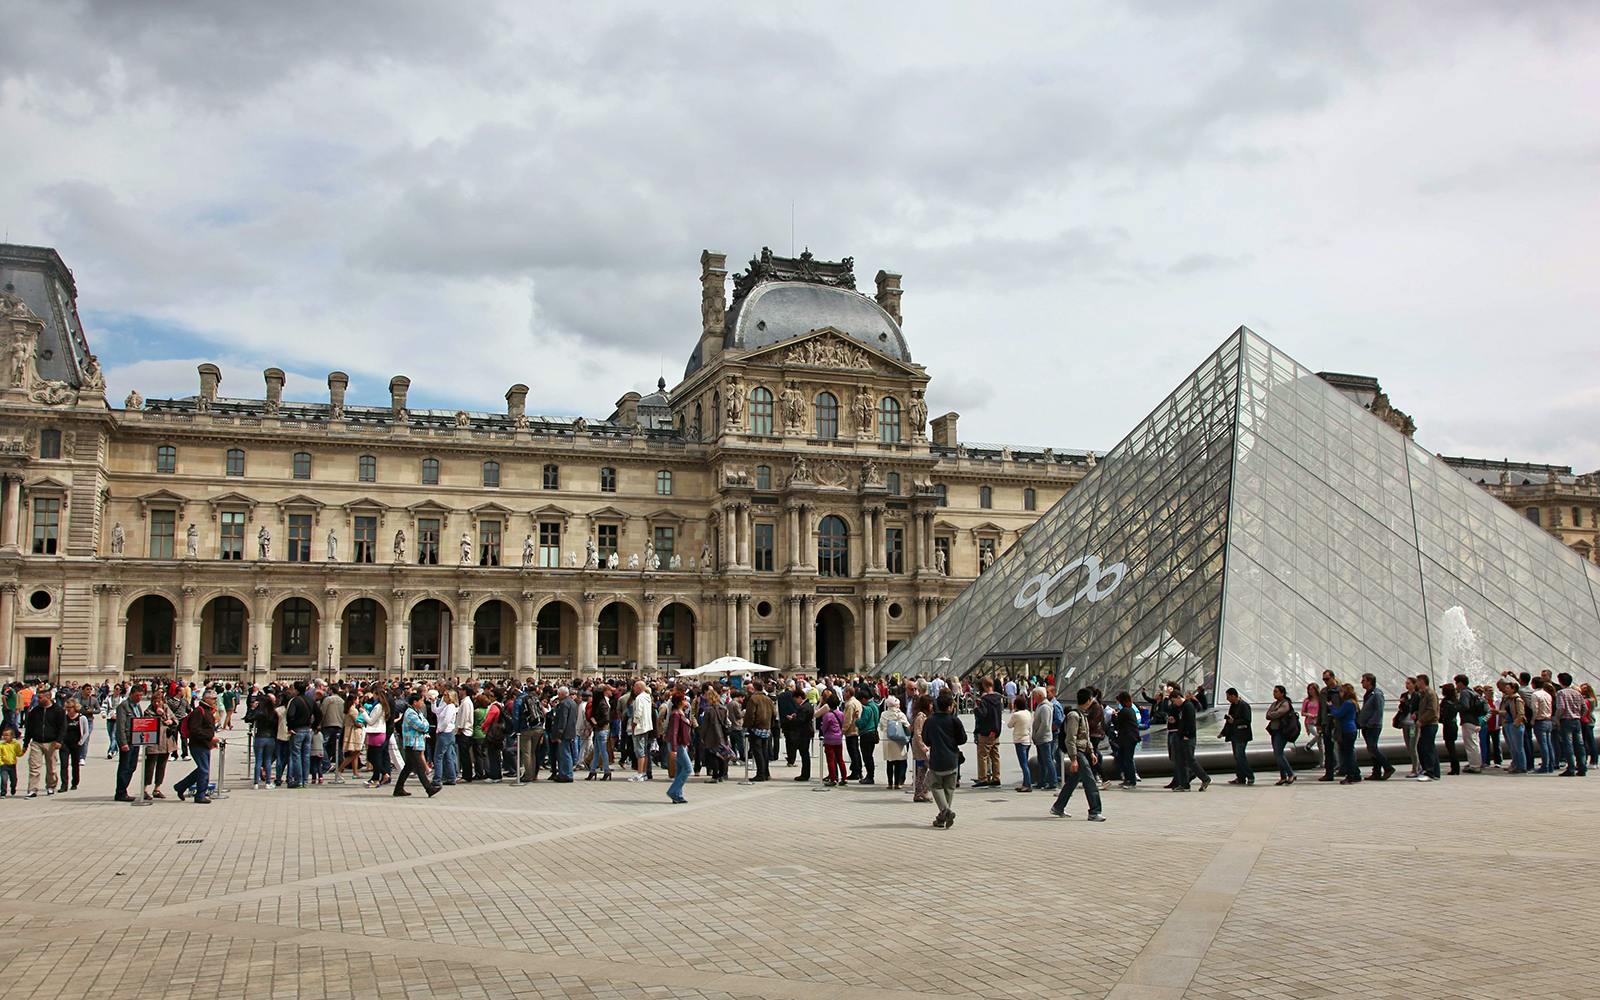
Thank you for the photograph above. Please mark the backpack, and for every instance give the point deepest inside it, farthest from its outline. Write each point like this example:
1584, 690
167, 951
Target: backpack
1291, 726
183, 726
896, 732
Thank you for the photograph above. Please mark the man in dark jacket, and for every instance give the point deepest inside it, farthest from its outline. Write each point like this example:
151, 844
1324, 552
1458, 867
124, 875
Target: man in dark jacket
1188, 735
1370, 721
42, 730
788, 708
128, 709
758, 715
944, 735
1125, 738
986, 725
299, 715
1327, 727
202, 737
1236, 730
565, 734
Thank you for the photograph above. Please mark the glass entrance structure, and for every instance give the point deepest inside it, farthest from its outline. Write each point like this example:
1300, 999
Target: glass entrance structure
1256, 528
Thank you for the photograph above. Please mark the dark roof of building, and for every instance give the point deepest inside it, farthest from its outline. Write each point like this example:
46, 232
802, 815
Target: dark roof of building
41, 279
1488, 470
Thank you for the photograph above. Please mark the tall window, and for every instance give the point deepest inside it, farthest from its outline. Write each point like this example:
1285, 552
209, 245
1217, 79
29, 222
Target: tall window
889, 420
296, 638
764, 545
941, 543
665, 538
1533, 514
491, 475
761, 410
664, 483
163, 533
986, 552
428, 541
716, 413
827, 416
892, 480
367, 468
49, 443
608, 480
299, 538
1030, 499
763, 477
894, 549
46, 525
302, 465
610, 638
549, 544
488, 543
361, 627
548, 640
985, 497
1577, 517
552, 477
486, 629
943, 493
234, 465
159, 622
430, 472
833, 547
667, 633
366, 549
166, 458
605, 541
697, 425
231, 535
227, 627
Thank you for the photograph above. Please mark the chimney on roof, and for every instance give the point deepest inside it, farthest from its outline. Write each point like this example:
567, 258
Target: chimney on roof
628, 410
517, 402
889, 294
944, 429
274, 378
397, 394
210, 378
713, 303
338, 382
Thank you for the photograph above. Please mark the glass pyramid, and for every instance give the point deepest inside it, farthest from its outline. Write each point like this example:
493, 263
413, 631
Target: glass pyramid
1256, 528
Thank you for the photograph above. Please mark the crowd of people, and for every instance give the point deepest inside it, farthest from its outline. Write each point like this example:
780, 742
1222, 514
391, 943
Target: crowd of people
386, 733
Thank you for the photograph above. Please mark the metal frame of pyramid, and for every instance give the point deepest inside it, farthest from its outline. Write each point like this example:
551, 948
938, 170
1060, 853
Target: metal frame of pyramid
1257, 528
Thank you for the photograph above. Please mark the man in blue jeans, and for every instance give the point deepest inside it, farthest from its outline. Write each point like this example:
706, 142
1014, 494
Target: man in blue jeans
299, 716
564, 733
1427, 730
1080, 769
202, 720
1570, 708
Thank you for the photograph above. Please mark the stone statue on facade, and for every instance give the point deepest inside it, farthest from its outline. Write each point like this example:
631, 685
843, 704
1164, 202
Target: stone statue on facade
794, 408
527, 549
733, 401
94, 380
466, 548
705, 556
118, 539
871, 475
864, 405
264, 543
633, 560
462, 420
191, 541
333, 545
591, 555
676, 562
939, 561
919, 413
651, 562
1090, 460
986, 560
801, 472
613, 561
400, 545
134, 401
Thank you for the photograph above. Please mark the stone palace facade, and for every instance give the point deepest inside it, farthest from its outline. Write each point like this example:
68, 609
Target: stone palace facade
788, 501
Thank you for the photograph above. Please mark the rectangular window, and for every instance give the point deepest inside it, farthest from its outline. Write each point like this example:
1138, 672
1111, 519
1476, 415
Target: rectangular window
986, 552
49, 443
549, 544
606, 541
664, 544
296, 639
894, 549
943, 493
227, 629
430, 472
608, 480
235, 462
302, 465
491, 475
299, 538
231, 535
367, 469
486, 631
942, 544
361, 628
166, 458
1030, 499
548, 632
892, 480
47, 525
609, 632
488, 543
764, 545
664, 483
428, 541
366, 540
1577, 517
163, 533
667, 636
552, 477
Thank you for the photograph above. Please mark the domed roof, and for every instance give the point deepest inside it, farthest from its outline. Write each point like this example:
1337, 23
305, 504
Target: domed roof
781, 298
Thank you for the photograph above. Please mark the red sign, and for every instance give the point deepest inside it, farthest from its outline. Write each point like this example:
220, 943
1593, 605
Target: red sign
146, 731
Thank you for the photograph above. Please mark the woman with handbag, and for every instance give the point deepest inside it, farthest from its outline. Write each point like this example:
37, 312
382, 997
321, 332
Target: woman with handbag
830, 726
678, 735
714, 736
376, 735
894, 735
353, 737
156, 757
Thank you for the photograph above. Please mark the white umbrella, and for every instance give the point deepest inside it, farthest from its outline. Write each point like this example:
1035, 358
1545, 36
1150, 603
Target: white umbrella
728, 665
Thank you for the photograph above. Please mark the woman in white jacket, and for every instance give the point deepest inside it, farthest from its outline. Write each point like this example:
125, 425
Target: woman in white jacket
376, 733
894, 736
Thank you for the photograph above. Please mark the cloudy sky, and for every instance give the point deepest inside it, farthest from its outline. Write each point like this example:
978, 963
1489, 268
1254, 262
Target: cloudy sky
1084, 200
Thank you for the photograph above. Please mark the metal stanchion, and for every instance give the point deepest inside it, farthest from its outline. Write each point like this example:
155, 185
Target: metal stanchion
217, 789
749, 757
817, 762
143, 798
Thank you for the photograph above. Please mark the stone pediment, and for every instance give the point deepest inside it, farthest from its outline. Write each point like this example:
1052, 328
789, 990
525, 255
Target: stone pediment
364, 503
831, 349
490, 507
231, 499
428, 507
608, 514
301, 500
49, 484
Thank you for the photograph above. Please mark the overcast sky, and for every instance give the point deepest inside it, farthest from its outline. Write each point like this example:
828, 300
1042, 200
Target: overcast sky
1084, 200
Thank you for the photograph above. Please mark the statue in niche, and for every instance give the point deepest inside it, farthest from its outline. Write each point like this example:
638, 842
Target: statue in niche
650, 560
527, 549
987, 559
939, 561
633, 561
864, 405
870, 474
191, 541
572, 560
676, 562
801, 473
919, 413
264, 542
612, 560
118, 539
466, 548
400, 545
794, 408
733, 401
333, 545
591, 555
705, 556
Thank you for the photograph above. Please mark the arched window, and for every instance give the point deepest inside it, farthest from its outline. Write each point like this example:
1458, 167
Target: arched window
302, 465
491, 474
889, 420
716, 413
430, 472
235, 463
367, 469
833, 547
166, 458
827, 416
763, 477
985, 497
1030, 499
761, 411
664, 483
552, 477
295, 639
608, 480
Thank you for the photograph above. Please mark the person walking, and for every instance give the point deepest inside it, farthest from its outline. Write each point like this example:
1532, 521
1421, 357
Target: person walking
201, 732
1427, 730
1570, 709
1237, 732
944, 735
600, 730
413, 743
1543, 715
852, 737
867, 734
74, 736
1327, 728
1472, 711
43, 728
830, 727
157, 755
1188, 737
1405, 720
1369, 720
1080, 768
679, 735
331, 712
530, 741
1283, 727
1044, 738
1125, 739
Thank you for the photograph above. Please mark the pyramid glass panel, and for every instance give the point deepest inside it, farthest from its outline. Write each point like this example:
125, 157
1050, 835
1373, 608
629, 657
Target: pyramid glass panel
1257, 528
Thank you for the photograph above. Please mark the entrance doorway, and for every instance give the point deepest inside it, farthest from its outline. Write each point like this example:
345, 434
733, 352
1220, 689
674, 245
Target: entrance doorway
835, 630
36, 657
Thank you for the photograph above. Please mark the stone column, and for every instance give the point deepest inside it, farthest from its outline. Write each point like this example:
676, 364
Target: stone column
747, 537
791, 651
647, 634
922, 613
588, 635
702, 641
882, 652
332, 634
927, 542
8, 618
189, 633
730, 624
808, 633
744, 626
110, 597
793, 531
869, 641
9, 515
808, 558
527, 661
461, 654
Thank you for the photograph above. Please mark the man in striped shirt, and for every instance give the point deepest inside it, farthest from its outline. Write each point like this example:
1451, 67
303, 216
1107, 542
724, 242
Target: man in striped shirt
1570, 708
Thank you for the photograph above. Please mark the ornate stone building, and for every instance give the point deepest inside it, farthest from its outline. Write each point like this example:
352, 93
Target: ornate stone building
788, 500
1565, 504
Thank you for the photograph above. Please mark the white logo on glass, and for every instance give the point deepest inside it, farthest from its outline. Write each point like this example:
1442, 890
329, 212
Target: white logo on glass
1036, 589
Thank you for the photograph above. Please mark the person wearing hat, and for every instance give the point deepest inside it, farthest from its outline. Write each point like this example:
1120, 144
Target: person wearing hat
202, 724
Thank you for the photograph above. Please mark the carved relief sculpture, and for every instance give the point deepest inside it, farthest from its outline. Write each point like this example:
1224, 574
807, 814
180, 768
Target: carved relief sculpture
919, 414
191, 541
870, 474
400, 546
527, 549
794, 408
828, 352
863, 410
264, 543
118, 539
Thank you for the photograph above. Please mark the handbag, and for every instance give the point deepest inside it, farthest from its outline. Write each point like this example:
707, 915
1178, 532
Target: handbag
896, 731
376, 739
